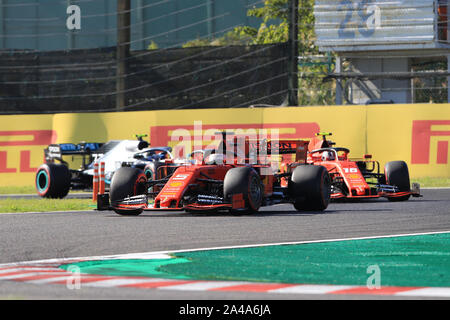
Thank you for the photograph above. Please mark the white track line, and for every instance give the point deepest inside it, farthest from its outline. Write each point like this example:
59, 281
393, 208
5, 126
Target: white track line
49, 280
47, 212
203, 285
311, 289
26, 275
427, 292
118, 282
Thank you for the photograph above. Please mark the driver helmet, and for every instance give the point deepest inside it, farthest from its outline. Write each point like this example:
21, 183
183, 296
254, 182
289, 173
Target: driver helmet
328, 156
161, 156
216, 158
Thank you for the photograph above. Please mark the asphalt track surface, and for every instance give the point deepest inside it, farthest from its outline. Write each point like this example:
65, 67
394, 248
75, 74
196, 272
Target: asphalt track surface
37, 236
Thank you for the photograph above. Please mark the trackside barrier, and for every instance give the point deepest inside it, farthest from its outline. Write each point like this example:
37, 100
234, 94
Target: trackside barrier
101, 186
101, 197
95, 182
98, 180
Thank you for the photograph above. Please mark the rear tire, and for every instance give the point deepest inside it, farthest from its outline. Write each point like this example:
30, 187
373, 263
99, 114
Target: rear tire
53, 180
397, 174
244, 180
127, 182
310, 188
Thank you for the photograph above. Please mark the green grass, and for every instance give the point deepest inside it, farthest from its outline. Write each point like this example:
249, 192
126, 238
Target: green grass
424, 183
42, 205
25, 190
428, 182
18, 190
10, 205
12, 297
432, 182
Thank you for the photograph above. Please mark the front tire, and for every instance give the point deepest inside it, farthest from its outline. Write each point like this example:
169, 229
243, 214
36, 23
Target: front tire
310, 188
397, 174
53, 180
127, 182
245, 181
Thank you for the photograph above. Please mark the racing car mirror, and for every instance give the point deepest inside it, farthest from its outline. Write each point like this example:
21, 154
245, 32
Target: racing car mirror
142, 143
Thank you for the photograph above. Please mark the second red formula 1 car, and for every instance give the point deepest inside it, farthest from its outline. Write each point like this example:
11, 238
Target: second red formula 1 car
222, 182
361, 178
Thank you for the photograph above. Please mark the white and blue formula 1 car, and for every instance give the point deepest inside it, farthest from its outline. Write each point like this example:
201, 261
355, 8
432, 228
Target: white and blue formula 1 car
55, 178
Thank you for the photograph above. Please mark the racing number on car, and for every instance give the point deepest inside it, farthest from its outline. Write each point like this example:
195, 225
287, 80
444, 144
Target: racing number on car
350, 170
369, 18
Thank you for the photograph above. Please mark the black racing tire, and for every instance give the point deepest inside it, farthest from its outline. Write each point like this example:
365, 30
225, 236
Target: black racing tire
247, 181
127, 182
310, 188
397, 174
53, 180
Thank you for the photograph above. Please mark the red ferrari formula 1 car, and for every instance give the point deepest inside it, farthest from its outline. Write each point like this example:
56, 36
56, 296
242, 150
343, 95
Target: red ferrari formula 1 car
215, 184
361, 178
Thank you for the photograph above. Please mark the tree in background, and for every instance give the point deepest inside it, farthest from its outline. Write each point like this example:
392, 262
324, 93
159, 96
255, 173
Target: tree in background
274, 29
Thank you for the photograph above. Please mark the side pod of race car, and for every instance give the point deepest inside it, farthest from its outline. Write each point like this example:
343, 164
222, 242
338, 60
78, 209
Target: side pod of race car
361, 178
221, 181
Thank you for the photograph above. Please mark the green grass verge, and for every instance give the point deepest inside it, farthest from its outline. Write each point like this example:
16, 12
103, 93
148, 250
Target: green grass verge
18, 190
424, 183
432, 182
25, 190
10, 205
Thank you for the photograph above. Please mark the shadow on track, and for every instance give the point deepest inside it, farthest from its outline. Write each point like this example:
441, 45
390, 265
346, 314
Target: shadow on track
259, 214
